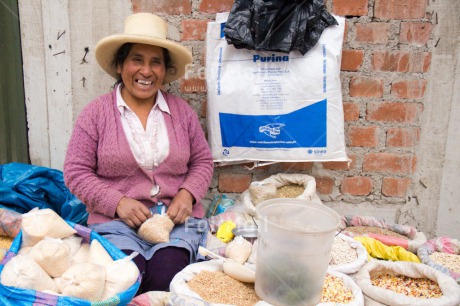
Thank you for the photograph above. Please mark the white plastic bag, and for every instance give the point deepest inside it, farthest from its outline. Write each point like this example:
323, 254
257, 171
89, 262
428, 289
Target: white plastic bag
53, 255
272, 106
85, 281
23, 272
40, 223
120, 275
238, 249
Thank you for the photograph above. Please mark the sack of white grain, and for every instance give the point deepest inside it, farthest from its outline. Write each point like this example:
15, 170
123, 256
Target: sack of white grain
288, 185
20, 297
347, 255
53, 255
23, 272
85, 281
406, 283
443, 254
388, 233
40, 223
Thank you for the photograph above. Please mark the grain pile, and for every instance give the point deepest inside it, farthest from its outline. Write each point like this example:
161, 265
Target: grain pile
342, 252
5, 242
289, 191
217, 287
373, 230
335, 291
423, 288
450, 261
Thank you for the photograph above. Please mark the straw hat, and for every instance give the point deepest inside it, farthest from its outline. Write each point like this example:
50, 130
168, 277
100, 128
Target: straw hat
143, 28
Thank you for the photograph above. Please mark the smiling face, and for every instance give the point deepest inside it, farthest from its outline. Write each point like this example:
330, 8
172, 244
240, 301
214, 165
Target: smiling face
143, 72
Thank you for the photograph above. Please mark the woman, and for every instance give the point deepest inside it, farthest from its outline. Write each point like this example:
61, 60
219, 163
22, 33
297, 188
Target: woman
138, 149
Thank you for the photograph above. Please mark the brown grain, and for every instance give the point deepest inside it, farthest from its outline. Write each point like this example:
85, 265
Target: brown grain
289, 191
217, 287
373, 230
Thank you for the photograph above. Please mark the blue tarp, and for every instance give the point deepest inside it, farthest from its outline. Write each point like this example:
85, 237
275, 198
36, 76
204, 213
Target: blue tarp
24, 187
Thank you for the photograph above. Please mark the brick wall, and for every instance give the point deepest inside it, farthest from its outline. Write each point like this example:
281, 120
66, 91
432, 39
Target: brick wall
385, 62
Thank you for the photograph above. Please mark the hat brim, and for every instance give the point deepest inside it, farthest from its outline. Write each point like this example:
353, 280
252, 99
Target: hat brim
107, 47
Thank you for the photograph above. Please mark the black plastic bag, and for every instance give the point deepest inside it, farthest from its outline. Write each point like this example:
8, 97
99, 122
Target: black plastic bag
277, 25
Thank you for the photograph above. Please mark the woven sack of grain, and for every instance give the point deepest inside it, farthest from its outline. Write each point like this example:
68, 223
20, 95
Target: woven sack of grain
19, 297
391, 234
180, 283
339, 252
442, 253
296, 181
426, 281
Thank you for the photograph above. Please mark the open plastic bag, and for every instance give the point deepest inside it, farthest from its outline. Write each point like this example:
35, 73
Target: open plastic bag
279, 25
374, 295
24, 187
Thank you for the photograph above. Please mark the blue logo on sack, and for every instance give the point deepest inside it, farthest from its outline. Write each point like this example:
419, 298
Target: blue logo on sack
272, 129
302, 128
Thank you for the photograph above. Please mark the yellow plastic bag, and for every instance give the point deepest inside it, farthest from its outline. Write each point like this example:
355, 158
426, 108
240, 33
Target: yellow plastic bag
224, 232
378, 250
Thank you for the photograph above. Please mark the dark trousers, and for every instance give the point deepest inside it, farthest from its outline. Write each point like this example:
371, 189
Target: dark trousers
158, 272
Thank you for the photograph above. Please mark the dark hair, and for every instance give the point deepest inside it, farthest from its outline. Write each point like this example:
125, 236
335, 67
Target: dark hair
123, 52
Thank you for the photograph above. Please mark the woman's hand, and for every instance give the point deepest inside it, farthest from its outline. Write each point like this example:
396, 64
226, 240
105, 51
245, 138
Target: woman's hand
180, 208
132, 212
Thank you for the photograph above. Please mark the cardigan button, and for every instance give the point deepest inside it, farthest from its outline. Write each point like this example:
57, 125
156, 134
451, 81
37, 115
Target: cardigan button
155, 191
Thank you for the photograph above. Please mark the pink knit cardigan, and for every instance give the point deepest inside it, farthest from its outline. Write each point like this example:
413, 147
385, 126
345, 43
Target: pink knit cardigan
100, 169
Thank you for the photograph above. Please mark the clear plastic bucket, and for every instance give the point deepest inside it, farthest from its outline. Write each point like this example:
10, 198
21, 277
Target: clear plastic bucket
294, 244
